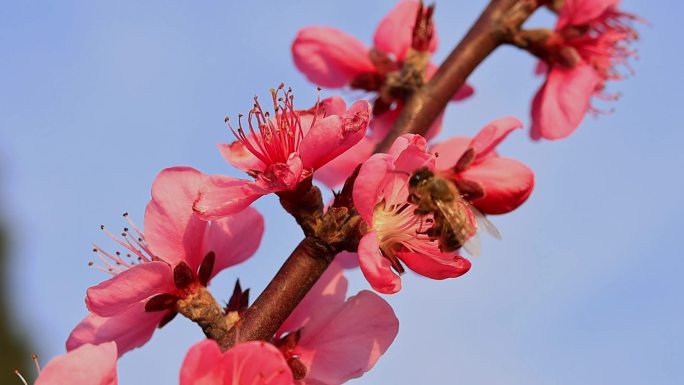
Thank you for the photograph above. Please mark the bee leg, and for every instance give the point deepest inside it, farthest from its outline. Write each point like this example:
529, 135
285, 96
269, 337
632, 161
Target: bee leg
422, 222
396, 264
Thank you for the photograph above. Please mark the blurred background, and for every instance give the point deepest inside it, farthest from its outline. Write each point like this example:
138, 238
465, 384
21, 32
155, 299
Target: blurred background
97, 97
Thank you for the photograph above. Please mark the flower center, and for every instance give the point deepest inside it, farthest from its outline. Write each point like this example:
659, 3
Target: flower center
397, 226
272, 139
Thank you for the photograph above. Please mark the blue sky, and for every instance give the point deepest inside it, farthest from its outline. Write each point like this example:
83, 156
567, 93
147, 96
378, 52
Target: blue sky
97, 97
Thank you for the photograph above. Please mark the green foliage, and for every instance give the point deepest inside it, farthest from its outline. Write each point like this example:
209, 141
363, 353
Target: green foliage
13, 345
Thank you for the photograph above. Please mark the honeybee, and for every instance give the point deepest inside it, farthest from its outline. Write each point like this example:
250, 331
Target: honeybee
455, 221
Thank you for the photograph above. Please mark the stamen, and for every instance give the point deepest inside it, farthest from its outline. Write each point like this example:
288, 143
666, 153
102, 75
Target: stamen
21, 378
126, 244
34, 357
137, 230
271, 138
134, 243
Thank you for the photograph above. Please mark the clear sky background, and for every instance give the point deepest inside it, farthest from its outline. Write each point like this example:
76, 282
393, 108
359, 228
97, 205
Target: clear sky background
585, 287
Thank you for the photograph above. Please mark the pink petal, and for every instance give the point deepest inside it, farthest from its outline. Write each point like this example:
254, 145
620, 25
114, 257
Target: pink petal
222, 195
240, 157
203, 365
369, 183
450, 266
579, 12
405, 141
541, 68
331, 289
87, 365
172, 230
333, 105
129, 287
335, 172
329, 57
234, 238
375, 267
561, 103
450, 151
463, 93
349, 343
395, 31
347, 259
255, 363
129, 329
506, 183
334, 134
492, 134
413, 154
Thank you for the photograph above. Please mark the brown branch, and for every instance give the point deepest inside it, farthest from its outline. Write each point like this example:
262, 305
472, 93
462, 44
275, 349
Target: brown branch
289, 286
499, 21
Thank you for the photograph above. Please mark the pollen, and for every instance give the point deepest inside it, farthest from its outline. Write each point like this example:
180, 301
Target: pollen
397, 226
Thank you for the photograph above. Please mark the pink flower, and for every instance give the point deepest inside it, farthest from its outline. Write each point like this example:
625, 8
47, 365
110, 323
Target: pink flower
250, 363
177, 255
281, 151
332, 58
395, 233
87, 365
493, 184
591, 40
327, 340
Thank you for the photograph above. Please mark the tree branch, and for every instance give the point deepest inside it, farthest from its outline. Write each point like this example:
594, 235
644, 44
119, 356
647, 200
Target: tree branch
295, 278
499, 21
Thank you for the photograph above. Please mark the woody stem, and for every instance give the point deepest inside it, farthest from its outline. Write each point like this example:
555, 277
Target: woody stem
295, 278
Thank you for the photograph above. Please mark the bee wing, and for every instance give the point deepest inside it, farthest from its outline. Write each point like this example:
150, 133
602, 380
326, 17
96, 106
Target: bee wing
472, 246
458, 219
484, 224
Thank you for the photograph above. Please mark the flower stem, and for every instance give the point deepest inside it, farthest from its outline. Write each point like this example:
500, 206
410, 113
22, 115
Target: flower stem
295, 278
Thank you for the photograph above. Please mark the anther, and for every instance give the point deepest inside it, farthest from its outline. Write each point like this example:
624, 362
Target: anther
34, 357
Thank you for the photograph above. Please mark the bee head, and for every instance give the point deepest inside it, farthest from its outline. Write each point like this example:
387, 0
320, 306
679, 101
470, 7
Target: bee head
420, 176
